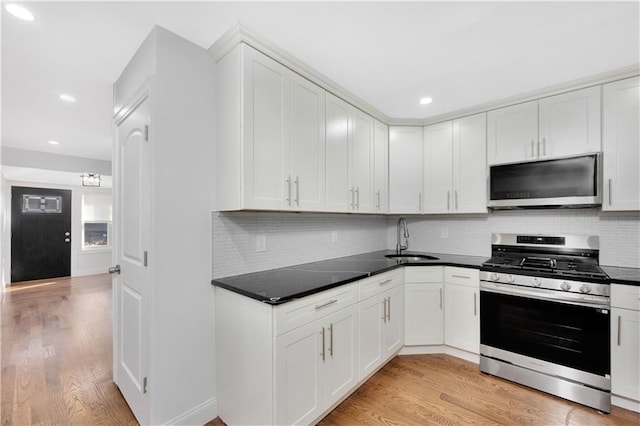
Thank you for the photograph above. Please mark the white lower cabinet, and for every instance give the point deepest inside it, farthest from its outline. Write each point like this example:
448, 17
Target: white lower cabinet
315, 366
423, 306
625, 345
381, 318
462, 308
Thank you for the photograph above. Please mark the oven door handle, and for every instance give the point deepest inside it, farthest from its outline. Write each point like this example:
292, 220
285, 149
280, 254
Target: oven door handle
546, 295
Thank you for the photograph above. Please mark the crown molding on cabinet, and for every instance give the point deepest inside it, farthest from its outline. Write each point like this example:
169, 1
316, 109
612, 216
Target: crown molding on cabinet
241, 33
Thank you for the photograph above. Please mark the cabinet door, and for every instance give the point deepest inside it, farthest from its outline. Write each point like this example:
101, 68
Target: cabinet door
405, 169
512, 133
393, 327
438, 173
621, 146
470, 164
307, 145
361, 161
625, 353
341, 374
267, 145
339, 197
424, 315
461, 317
370, 312
569, 123
381, 167
299, 374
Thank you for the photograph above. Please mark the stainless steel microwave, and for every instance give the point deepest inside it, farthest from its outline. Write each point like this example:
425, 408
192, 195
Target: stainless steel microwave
561, 182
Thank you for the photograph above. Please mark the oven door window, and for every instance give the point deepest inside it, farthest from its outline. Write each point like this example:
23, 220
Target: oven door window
569, 335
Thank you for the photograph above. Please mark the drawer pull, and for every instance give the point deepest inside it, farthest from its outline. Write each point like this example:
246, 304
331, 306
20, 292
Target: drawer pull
323, 346
619, 320
330, 302
461, 276
385, 281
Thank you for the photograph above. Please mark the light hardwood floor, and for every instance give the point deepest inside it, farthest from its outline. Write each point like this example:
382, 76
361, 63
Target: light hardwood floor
57, 369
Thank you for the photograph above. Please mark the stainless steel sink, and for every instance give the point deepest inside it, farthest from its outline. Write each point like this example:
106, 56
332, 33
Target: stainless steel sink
410, 257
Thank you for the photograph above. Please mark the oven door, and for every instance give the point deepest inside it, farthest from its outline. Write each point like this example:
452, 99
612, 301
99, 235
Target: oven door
570, 334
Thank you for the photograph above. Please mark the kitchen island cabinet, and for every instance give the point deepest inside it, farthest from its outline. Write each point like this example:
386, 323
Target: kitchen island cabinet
555, 126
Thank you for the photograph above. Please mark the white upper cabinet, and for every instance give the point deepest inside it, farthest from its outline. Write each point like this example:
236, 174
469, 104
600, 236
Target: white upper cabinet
405, 169
307, 145
621, 145
270, 144
381, 167
455, 167
349, 158
469, 164
556, 126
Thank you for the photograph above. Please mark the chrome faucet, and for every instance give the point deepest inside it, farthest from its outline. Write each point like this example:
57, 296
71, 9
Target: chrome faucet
402, 223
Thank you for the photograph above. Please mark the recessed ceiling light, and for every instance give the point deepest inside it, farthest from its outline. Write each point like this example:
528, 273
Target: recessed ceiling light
19, 12
54, 143
67, 98
425, 101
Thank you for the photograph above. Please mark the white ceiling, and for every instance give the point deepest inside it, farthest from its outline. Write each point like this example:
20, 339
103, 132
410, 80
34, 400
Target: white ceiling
388, 54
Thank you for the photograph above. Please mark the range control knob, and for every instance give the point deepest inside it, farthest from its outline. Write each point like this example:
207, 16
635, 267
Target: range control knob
495, 277
565, 286
536, 282
511, 278
585, 289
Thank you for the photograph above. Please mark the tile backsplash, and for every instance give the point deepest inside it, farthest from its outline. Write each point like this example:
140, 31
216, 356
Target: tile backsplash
294, 238
289, 239
471, 234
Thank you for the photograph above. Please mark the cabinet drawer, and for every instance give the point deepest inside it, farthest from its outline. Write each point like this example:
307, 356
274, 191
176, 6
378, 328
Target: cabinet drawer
374, 285
300, 312
462, 276
625, 296
423, 274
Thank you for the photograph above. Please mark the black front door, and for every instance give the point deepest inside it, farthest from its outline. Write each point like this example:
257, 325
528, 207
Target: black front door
40, 233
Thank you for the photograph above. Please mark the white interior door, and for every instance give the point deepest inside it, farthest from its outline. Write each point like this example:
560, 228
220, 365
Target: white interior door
132, 285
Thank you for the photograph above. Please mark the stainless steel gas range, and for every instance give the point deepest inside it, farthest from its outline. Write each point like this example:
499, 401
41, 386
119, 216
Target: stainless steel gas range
544, 316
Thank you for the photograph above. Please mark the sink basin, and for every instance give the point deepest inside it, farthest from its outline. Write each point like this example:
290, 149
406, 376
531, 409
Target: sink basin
410, 257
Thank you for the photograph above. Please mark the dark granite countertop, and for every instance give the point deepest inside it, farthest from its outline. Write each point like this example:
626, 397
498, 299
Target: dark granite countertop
620, 275
284, 284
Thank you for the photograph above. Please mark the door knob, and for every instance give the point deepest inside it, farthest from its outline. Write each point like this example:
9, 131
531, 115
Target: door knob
114, 269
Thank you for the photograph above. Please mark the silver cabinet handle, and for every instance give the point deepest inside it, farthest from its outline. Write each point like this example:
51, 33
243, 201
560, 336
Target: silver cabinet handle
352, 198
532, 144
419, 201
297, 182
331, 340
544, 146
455, 197
385, 281
378, 200
330, 302
288, 199
358, 197
323, 347
475, 305
460, 276
114, 269
448, 199
384, 310
440, 290
619, 326
389, 308
609, 191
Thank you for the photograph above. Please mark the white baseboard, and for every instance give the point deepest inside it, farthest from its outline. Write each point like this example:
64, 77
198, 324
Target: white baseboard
440, 349
198, 415
626, 403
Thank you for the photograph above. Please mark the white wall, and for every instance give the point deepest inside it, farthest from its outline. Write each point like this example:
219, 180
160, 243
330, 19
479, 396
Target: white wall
291, 238
83, 262
471, 234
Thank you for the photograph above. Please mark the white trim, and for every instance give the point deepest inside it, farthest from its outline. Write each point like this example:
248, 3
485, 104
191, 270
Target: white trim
440, 349
625, 403
198, 415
